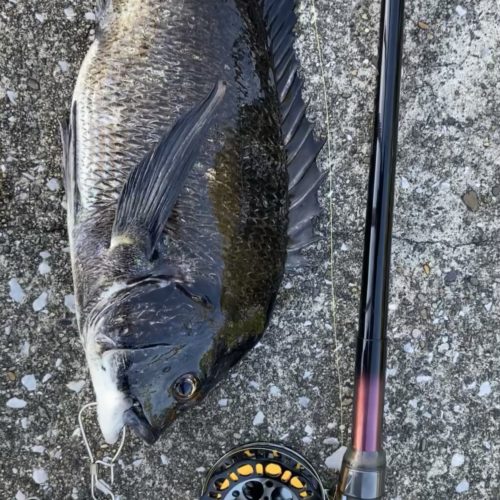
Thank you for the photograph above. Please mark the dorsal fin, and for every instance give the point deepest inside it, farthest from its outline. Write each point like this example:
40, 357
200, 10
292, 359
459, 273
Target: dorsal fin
301, 147
152, 187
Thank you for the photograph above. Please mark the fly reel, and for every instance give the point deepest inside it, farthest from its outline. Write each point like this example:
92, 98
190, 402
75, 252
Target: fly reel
261, 471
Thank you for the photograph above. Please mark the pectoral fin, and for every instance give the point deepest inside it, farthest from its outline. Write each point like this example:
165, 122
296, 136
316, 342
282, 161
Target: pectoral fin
154, 185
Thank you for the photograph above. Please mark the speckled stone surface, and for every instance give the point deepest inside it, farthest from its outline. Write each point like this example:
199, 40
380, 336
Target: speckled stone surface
443, 394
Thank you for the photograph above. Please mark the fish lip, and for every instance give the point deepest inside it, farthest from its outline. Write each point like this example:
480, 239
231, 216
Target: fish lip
141, 427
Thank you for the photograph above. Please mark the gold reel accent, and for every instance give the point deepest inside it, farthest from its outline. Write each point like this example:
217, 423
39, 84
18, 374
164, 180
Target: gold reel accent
265, 468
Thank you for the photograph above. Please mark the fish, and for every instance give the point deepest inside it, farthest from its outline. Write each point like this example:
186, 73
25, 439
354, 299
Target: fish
191, 184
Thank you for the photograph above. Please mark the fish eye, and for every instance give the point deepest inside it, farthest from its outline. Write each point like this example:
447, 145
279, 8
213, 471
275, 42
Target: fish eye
186, 386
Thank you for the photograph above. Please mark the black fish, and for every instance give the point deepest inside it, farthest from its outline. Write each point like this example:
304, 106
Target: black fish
190, 177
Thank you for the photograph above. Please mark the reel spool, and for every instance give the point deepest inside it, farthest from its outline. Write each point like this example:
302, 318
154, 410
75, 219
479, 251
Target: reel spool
262, 471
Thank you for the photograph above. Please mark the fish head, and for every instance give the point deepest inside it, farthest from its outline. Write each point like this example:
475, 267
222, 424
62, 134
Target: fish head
153, 353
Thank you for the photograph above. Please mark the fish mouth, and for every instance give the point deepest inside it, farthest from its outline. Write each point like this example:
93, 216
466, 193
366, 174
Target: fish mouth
137, 422
146, 419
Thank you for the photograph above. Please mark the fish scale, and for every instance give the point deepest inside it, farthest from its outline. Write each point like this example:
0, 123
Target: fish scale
117, 92
190, 173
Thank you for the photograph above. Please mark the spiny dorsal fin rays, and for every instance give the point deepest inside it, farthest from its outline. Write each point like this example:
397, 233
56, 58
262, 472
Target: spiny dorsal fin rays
153, 186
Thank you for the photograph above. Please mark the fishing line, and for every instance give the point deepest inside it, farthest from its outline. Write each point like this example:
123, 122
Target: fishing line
97, 483
329, 144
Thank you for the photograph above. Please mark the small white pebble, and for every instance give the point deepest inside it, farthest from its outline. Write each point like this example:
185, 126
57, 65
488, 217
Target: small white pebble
488, 306
16, 292
29, 381
308, 430
12, 95
253, 384
404, 183
24, 350
64, 66
201, 470
44, 254
408, 348
75, 385
334, 461
344, 248
485, 389
138, 462
164, 459
41, 302
331, 441
457, 460
223, 403
40, 476
304, 402
53, 183
460, 11
307, 375
20, 495
44, 267
70, 13
462, 486
40, 17
288, 285
69, 302
423, 379
38, 449
443, 347
258, 419
89, 16
58, 362
25, 423
393, 306
16, 403
307, 439
274, 391
416, 333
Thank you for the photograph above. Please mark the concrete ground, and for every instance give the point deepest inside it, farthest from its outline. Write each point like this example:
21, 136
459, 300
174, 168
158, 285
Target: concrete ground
443, 394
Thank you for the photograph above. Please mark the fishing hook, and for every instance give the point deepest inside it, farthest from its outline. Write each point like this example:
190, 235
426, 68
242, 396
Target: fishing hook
96, 483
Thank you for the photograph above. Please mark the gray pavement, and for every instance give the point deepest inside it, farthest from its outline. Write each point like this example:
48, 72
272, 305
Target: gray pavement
443, 394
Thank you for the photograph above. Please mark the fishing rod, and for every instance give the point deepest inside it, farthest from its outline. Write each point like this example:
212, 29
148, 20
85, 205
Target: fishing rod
262, 471
363, 469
